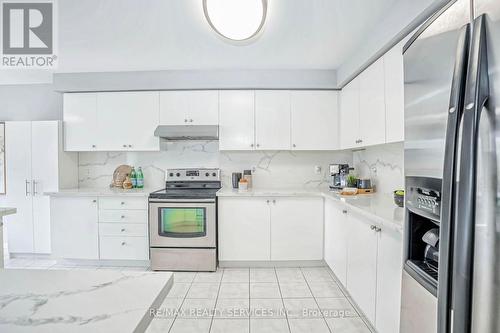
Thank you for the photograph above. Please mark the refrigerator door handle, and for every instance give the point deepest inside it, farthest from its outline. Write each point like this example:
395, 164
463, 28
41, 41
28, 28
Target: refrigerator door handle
476, 96
455, 110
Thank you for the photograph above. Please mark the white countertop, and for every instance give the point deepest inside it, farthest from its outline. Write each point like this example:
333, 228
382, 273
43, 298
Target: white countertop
101, 192
80, 300
377, 207
7, 211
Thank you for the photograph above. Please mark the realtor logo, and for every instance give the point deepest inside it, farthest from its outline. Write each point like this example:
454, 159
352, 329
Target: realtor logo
28, 34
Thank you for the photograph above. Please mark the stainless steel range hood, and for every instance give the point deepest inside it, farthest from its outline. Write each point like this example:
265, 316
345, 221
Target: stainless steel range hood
188, 132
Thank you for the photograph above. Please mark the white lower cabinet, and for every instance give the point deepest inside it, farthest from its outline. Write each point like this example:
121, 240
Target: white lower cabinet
362, 265
336, 236
99, 228
74, 227
264, 229
244, 229
296, 228
367, 259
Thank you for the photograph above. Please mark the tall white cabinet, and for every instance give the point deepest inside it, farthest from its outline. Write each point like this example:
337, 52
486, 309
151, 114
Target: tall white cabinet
35, 163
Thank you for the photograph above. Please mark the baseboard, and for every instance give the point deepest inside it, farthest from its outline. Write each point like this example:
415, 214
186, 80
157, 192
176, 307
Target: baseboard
269, 264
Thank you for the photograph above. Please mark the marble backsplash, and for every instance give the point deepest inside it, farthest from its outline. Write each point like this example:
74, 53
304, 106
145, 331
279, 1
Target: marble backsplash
271, 169
383, 164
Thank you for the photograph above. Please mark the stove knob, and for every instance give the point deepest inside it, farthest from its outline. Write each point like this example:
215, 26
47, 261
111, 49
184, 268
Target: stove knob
207, 174
178, 174
171, 174
214, 174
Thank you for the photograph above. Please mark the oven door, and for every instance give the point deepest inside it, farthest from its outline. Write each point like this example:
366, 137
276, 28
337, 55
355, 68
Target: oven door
182, 223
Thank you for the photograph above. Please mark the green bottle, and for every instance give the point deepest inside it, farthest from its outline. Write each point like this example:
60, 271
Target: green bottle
133, 178
140, 178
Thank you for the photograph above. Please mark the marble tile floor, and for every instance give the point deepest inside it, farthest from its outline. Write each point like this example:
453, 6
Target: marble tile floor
251, 300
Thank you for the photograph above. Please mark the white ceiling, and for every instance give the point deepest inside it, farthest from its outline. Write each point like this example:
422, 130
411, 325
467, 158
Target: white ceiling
113, 35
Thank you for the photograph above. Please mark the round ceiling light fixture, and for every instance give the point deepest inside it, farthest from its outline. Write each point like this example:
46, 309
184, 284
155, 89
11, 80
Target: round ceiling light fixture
236, 20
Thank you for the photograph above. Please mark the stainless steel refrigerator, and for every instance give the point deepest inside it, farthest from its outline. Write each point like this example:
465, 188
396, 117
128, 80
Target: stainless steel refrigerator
451, 278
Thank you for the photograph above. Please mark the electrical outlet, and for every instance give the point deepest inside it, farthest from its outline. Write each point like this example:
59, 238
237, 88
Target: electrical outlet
317, 169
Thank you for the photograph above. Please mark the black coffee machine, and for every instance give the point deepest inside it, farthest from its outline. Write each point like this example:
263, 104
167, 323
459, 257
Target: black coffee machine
338, 175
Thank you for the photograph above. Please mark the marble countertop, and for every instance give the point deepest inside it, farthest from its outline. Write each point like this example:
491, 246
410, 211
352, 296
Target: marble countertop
79, 301
7, 211
101, 192
377, 207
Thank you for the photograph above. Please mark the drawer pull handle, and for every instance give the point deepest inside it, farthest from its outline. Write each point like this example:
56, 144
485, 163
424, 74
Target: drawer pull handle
123, 203
123, 229
123, 243
123, 216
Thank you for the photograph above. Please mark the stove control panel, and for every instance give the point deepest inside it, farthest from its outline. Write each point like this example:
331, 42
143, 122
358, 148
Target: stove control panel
193, 175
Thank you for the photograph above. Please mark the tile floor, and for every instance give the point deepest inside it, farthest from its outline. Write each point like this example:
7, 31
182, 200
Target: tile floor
252, 300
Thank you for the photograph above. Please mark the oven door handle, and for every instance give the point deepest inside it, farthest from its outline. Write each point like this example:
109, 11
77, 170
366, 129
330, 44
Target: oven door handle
194, 201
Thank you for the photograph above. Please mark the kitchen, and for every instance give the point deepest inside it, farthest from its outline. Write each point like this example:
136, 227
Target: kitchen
253, 182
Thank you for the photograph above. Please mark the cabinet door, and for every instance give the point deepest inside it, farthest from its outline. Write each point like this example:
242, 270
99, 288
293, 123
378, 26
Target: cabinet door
199, 107
236, 120
394, 95
80, 122
244, 229
297, 228
18, 180
272, 120
45, 177
362, 264
336, 235
349, 115
127, 121
74, 227
372, 104
389, 275
314, 120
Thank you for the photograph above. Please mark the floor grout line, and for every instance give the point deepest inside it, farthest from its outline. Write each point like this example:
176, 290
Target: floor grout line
182, 303
315, 301
282, 301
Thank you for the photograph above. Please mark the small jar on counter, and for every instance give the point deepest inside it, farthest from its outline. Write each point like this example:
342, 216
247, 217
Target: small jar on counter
247, 174
243, 184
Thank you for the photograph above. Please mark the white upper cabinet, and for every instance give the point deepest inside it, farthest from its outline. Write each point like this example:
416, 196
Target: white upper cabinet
80, 122
372, 104
349, 115
236, 120
197, 107
314, 120
272, 120
111, 121
394, 94
127, 120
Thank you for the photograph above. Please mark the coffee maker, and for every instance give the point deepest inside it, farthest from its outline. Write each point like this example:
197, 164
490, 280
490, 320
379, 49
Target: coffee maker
338, 175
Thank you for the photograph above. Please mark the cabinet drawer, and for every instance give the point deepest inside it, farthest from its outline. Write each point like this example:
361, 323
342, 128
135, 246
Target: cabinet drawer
123, 229
124, 248
123, 215
123, 203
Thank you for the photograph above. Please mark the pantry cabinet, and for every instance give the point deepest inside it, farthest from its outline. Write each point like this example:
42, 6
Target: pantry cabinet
367, 260
296, 228
236, 120
244, 229
189, 107
272, 120
263, 229
314, 120
35, 163
111, 121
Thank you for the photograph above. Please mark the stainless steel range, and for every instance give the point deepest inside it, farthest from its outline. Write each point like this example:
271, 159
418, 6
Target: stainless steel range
183, 221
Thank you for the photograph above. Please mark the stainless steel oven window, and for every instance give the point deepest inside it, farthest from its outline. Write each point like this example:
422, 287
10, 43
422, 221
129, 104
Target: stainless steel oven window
182, 222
